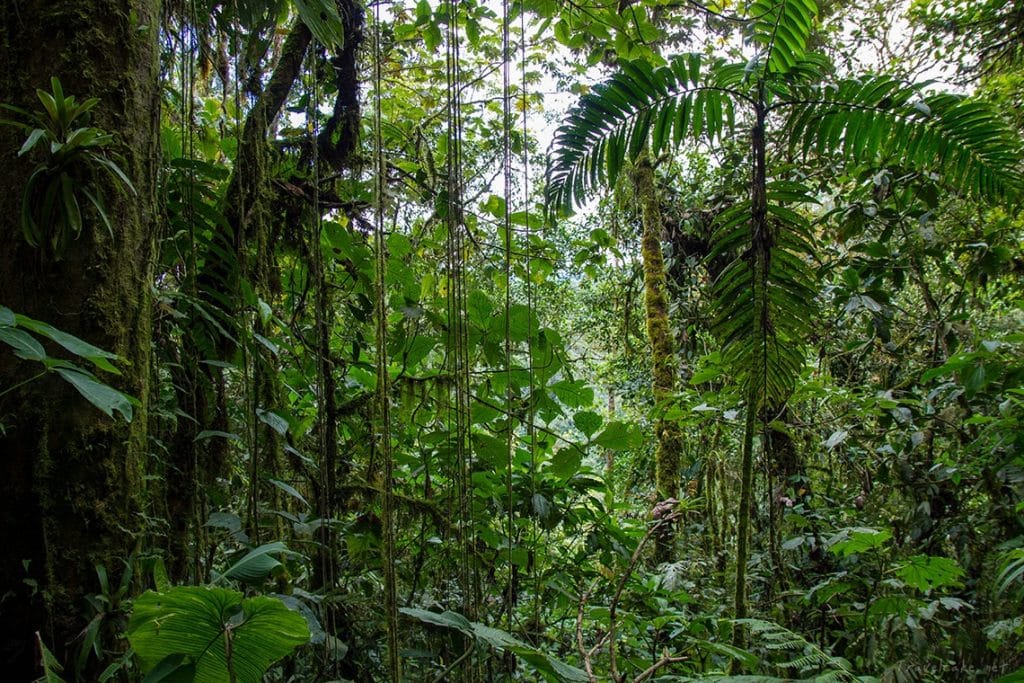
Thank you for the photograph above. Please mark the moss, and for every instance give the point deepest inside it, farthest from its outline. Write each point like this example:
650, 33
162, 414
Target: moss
76, 477
668, 456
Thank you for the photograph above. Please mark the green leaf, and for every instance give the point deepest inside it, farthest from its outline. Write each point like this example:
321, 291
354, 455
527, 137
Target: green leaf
196, 622
547, 664
273, 420
321, 16
257, 563
290, 490
31, 141
71, 343
445, 619
25, 346
618, 436
566, 462
501, 640
210, 433
51, 667
1011, 571
1012, 677
7, 318
176, 668
857, 540
925, 572
575, 394
588, 422
104, 397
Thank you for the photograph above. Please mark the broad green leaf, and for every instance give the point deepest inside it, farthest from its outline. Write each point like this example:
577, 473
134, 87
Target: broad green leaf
197, 622
545, 663
925, 572
225, 520
210, 433
566, 462
104, 397
257, 563
273, 420
588, 422
446, 619
24, 345
71, 343
321, 16
290, 490
176, 668
857, 540
501, 640
1013, 677
7, 318
619, 436
574, 394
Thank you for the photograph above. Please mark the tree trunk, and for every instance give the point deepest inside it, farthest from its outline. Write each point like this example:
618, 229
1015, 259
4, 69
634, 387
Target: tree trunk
760, 252
659, 333
71, 479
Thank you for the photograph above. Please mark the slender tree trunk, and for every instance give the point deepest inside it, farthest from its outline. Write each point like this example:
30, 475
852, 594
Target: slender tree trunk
70, 478
659, 333
759, 254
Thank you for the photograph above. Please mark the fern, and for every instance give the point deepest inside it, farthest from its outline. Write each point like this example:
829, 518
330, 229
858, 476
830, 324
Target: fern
691, 97
965, 141
775, 356
807, 658
782, 29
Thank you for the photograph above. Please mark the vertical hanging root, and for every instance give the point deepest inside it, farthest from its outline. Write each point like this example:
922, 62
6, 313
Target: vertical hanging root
383, 383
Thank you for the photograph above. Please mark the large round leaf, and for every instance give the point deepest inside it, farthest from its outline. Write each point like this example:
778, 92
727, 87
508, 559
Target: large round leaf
201, 622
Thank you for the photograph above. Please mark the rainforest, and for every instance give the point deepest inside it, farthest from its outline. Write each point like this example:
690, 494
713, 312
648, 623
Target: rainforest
588, 341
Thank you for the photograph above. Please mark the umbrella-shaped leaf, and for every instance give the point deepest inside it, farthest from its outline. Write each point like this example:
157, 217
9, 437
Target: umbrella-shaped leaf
199, 623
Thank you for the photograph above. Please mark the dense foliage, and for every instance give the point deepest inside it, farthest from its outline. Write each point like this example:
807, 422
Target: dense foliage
525, 341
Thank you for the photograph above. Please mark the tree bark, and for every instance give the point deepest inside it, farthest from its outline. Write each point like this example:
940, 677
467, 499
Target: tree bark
668, 455
70, 478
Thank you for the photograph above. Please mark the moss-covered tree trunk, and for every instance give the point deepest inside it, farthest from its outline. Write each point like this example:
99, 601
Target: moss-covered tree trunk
71, 478
659, 334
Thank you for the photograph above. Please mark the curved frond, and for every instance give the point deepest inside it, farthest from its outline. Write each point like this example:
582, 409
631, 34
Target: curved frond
963, 140
782, 28
638, 107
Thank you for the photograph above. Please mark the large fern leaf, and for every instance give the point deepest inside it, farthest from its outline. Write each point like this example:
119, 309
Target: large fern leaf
762, 321
782, 28
880, 119
639, 106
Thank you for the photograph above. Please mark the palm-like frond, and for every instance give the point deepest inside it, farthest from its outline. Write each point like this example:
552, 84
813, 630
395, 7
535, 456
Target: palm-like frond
782, 28
964, 140
691, 97
762, 320
807, 656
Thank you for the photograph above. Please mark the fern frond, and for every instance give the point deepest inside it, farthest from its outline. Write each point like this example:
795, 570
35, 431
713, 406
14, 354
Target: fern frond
773, 637
963, 140
767, 353
782, 28
639, 107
